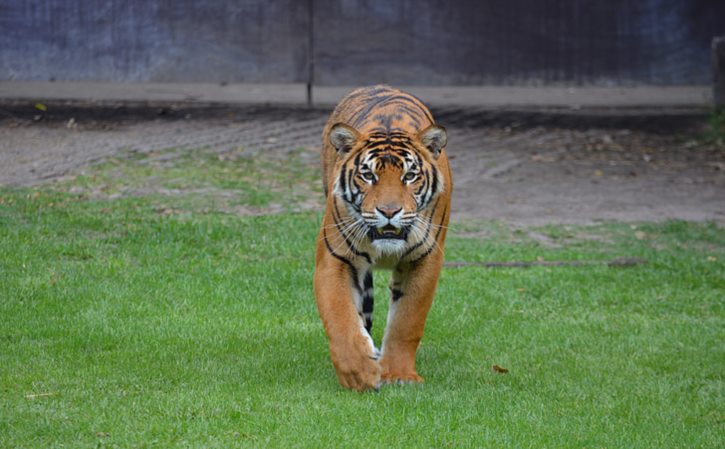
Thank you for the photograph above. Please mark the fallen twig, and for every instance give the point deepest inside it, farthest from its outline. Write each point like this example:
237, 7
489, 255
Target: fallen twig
621, 262
39, 395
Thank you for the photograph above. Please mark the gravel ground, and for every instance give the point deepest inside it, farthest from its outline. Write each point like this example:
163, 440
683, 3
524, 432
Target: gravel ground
520, 167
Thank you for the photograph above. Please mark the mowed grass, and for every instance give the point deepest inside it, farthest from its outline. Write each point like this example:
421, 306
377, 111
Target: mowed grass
126, 325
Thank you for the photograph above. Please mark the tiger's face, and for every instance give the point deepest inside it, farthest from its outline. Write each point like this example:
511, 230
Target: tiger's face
387, 180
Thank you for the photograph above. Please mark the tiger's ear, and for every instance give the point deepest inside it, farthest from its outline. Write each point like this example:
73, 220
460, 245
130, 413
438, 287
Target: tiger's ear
343, 138
434, 138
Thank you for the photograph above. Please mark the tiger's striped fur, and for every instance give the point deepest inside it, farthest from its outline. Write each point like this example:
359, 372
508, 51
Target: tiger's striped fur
388, 189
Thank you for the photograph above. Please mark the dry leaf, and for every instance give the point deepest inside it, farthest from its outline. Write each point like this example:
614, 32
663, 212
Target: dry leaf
499, 369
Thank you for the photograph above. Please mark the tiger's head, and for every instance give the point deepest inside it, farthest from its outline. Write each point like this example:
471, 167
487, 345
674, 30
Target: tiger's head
387, 180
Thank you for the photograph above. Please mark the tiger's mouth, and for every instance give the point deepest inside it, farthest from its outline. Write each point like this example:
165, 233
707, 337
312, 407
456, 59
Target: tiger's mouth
388, 232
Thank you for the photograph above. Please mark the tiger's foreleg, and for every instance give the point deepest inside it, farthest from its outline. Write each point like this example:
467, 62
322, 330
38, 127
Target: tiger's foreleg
338, 291
412, 289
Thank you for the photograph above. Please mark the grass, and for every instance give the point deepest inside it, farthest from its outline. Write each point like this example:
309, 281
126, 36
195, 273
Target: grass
714, 134
126, 325
203, 181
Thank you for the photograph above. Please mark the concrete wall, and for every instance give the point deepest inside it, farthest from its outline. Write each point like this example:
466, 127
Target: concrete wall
599, 42
403, 42
154, 40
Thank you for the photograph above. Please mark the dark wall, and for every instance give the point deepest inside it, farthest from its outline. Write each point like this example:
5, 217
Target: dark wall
605, 42
154, 40
428, 42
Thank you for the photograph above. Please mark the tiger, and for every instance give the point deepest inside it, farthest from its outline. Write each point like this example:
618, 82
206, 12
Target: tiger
387, 186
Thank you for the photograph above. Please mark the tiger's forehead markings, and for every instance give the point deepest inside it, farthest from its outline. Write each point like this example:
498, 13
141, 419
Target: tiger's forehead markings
388, 138
384, 147
380, 158
389, 147
390, 159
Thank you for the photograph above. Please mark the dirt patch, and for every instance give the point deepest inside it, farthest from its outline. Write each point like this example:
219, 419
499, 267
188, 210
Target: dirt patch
528, 168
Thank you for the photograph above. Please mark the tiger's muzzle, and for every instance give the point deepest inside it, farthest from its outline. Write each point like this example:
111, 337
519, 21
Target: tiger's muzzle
388, 223
388, 232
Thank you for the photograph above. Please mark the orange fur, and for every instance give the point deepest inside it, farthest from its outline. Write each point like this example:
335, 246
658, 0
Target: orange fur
392, 136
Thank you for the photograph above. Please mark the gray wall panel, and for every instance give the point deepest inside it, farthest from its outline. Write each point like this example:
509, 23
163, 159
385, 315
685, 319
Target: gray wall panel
154, 40
614, 42
424, 42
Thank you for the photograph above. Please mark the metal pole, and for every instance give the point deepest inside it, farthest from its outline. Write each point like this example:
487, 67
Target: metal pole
310, 49
718, 72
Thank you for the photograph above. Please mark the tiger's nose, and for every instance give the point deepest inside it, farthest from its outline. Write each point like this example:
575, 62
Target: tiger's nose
389, 210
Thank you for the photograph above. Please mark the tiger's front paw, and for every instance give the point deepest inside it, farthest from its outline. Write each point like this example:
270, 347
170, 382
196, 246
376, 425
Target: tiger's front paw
401, 378
399, 368
357, 367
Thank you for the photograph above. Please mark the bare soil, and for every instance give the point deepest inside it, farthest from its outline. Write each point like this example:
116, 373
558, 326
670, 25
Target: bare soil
520, 167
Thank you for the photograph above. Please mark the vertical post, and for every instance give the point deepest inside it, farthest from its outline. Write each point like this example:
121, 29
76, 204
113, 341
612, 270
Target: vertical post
310, 49
718, 71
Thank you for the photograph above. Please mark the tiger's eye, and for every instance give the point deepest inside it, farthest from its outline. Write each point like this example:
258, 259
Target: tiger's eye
368, 176
409, 176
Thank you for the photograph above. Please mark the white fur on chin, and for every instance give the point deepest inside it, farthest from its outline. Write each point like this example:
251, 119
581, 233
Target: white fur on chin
389, 246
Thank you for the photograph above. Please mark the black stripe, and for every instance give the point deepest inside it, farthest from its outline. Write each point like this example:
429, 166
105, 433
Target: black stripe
424, 186
373, 91
378, 132
368, 283
353, 270
350, 184
396, 294
410, 113
336, 216
337, 256
425, 109
351, 179
434, 186
407, 98
427, 233
368, 301
390, 159
413, 114
435, 241
366, 93
343, 181
362, 114
420, 159
384, 120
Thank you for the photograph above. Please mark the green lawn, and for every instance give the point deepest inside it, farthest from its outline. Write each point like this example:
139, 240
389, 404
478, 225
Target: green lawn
131, 323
